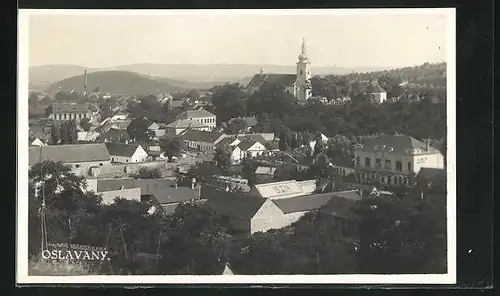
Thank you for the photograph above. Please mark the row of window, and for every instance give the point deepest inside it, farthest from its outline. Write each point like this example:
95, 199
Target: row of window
68, 116
387, 164
206, 120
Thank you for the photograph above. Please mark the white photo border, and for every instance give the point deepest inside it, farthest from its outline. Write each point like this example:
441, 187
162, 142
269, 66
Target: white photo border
22, 165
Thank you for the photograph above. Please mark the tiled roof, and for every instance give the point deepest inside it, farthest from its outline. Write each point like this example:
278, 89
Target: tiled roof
246, 143
69, 153
351, 194
398, 144
283, 189
340, 206
162, 189
119, 149
201, 136
235, 205
185, 123
307, 186
69, 108
302, 203
285, 79
195, 114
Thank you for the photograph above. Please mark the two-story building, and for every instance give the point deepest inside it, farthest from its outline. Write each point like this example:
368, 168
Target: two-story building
181, 125
69, 111
202, 116
394, 159
201, 140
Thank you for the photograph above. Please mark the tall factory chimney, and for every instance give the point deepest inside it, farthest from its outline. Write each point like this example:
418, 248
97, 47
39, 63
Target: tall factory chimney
85, 81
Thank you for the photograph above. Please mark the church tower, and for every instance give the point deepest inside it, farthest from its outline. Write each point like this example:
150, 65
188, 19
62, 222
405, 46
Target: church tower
303, 83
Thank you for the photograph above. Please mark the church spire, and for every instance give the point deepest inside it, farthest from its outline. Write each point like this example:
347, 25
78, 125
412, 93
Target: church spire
261, 70
303, 54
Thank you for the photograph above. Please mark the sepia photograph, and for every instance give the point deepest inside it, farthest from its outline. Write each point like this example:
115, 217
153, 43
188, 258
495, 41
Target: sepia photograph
236, 146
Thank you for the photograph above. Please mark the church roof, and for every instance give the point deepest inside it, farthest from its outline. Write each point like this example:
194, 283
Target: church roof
285, 79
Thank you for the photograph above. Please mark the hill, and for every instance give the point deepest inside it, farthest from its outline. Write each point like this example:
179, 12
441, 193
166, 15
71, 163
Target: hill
41, 77
116, 82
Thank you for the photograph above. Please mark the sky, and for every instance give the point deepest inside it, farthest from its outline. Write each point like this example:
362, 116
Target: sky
369, 40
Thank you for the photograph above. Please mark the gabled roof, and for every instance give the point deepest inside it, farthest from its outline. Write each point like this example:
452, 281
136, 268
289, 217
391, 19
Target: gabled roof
283, 189
69, 108
285, 79
201, 136
119, 149
302, 203
246, 143
195, 114
240, 206
340, 206
185, 123
398, 144
69, 153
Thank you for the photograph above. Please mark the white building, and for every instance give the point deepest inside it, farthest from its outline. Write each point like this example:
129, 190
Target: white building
201, 140
181, 125
394, 159
202, 116
37, 142
126, 153
69, 111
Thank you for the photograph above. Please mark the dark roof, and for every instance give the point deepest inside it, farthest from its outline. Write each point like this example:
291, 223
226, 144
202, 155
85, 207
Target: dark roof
235, 205
119, 149
285, 79
246, 143
399, 144
302, 203
201, 136
339, 206
163, 190
352, 194
69, 108
195, 114
342, 161
431, 173
69, 153
226, 141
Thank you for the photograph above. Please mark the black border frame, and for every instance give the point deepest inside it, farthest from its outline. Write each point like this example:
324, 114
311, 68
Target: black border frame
475, 120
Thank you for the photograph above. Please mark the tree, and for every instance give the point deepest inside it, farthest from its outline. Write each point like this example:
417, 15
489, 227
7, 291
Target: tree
33, 99
319, 145
263, 124
400, 236
235, 126
229, 101
68, 132
285, 138
55, 136
85, 124
138, 130
171, 146
248, 171
223, 156
48, 110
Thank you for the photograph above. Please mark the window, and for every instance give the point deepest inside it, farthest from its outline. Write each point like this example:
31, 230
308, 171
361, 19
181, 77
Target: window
358, 160
387, 164
378, 163
100, 164
409, 166
77, 165
301, 72
399, 166
368, 162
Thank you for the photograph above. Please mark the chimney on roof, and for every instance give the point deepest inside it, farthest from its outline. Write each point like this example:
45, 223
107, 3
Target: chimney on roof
175, 184
427, 145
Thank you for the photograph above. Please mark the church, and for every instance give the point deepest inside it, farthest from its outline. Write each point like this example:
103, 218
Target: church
298, 84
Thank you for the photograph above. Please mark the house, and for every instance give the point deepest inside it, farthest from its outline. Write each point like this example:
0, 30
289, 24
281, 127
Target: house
236, 154
202, 116
264, 174
156, 129
250, 147
283, 189
175, 104
119, 115
37, 142
312, 141
69, 111
109, 194
164, 194
378, 93
204, 157
298, 85
114, 135
126, 153
201, 140
249, 214
394, 159
342, 165
84, 159
87, 136
181, 125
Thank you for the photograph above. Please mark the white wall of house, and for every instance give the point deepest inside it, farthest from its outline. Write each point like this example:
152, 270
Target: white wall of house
236, 155
108, 197
409, 163
91, 185
69, 116
431, 160
209, 122
380, 97
202, 146
269, 216
82, 168
139, 156
255, 150
344, 171
37, 142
